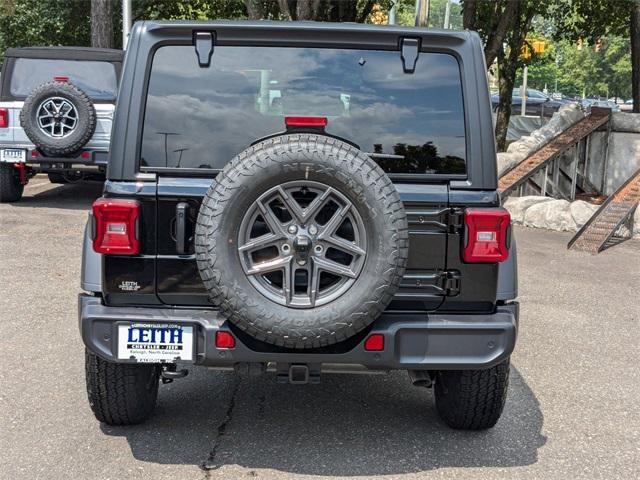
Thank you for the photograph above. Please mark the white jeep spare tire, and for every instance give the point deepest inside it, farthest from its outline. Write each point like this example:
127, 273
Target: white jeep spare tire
59, 118
301, 241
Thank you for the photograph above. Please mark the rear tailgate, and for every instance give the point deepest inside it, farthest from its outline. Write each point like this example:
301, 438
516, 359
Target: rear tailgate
425, 283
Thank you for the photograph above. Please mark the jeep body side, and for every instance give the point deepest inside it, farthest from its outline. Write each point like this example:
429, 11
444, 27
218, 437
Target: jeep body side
451, 316
95, 72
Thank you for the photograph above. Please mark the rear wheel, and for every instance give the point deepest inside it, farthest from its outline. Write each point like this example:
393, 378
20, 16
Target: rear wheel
472, 399
121, 394
10, 187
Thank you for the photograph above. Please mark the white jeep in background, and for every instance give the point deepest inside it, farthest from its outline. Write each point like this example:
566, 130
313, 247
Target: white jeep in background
56, 110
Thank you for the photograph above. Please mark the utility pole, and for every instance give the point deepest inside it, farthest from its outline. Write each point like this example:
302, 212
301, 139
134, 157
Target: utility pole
392, 13
525, 74
126, 22
422, 13
447, 15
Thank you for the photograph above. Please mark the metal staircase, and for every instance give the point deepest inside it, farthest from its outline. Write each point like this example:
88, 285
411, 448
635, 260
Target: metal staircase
617, 210
549, 153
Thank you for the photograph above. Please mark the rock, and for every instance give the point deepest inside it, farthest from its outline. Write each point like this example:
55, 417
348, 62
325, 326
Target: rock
582, 211
625, 122
566, 116
517, 206
552, 215
506, 161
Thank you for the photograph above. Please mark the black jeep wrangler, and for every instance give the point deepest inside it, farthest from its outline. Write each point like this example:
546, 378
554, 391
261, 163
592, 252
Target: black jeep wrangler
300, 198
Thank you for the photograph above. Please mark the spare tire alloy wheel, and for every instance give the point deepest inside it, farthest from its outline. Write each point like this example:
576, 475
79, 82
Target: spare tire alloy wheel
315, 247
301, 241
58, 118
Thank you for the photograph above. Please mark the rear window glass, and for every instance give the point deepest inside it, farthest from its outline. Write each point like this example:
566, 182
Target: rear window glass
201, 117
97, 79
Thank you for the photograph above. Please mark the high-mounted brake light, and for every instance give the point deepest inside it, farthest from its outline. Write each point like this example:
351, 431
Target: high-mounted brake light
487, 235
61, 78
4, 117
313, 122
115, 226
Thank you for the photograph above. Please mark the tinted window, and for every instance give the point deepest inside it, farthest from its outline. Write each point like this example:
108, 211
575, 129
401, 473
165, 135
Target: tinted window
96, 79
202, 117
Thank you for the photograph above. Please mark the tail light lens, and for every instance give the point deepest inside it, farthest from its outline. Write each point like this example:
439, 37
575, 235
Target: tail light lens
487, 234
4, 117
115, 226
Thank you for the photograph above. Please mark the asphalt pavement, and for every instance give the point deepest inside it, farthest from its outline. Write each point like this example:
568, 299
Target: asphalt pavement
573, 409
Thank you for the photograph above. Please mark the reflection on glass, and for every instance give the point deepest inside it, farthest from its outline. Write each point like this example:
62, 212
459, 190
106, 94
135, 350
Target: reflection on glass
97, 79
202, 117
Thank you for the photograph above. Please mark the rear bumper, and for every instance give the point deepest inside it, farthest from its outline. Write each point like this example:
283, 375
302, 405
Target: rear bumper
91, 156
412, 341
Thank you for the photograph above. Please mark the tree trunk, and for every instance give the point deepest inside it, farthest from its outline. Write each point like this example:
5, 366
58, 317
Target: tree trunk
254, 9
469, 14
507, 72
635, 55
102, 23
506, 79
506, 22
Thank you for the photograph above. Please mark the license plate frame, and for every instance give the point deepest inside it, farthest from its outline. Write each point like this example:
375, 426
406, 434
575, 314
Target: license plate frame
13, 155
141, 342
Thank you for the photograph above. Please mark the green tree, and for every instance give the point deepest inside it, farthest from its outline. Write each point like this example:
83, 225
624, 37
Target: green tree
44, 22
594, 19
503, 26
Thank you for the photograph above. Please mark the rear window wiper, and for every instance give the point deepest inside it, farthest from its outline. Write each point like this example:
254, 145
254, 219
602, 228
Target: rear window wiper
384, 155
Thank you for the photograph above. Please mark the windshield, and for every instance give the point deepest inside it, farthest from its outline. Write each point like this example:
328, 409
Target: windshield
202, 117
97, 79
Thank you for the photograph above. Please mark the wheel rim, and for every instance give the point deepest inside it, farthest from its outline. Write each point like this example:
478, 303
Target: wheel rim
57, 117
302, 244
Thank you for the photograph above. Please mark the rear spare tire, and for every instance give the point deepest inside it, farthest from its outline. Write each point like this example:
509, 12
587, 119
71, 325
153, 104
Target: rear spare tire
301, 241
58, 118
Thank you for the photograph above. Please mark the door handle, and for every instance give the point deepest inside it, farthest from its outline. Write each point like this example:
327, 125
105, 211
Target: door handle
182, 209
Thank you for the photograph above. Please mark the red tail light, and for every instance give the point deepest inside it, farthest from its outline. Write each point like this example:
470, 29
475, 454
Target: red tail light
4, 117
115, 226
487, 235
374, 343
314, 122
61, 78
225, 340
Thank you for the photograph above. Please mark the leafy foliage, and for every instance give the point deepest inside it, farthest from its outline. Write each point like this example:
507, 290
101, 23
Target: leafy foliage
44, 22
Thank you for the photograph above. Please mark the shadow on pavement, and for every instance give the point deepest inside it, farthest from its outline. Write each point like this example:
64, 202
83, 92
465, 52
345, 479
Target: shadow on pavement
346, 426
71, 196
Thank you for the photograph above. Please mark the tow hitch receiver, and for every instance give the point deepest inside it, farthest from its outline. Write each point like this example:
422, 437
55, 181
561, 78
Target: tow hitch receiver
170, 372
297, 374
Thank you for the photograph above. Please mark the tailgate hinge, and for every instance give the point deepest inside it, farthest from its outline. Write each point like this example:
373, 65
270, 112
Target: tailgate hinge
455, 220
451, 283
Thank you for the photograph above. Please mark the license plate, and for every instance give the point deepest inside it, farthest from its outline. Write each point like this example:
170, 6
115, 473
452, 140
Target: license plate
13, 155
155, 343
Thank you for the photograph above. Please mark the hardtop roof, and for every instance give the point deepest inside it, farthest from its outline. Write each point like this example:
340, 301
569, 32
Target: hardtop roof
67, 53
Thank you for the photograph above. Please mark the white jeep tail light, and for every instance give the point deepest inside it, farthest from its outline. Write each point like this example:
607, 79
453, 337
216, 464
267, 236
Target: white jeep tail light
115, 226
487, 234
4, 117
